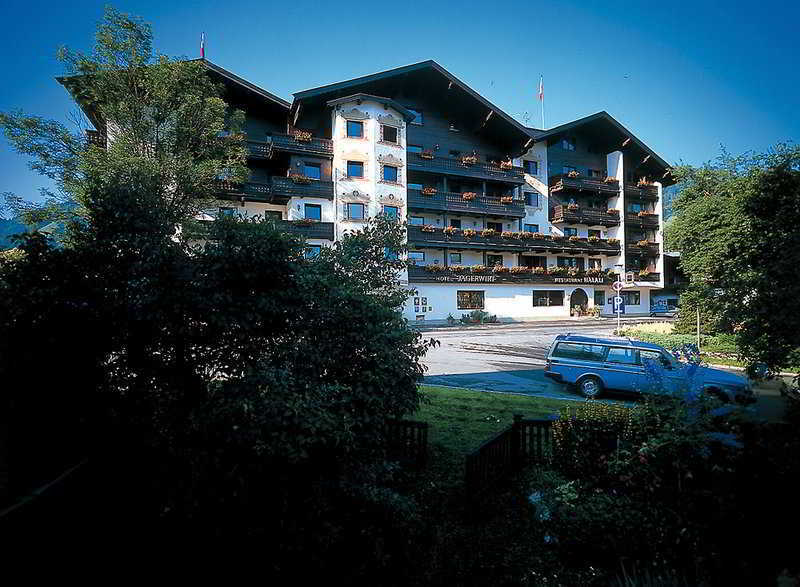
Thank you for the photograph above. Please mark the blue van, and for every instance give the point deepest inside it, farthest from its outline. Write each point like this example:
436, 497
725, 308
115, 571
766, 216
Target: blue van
596, 364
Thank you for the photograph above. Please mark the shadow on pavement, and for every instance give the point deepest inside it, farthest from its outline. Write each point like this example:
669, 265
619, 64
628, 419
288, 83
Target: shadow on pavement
527, 382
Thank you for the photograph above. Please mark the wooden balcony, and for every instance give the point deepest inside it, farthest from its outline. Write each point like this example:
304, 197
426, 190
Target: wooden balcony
267, 148
590, 216
283, 187
250, 191
645, 220
454, 202
520, 242
649, 192
315, 230
648, 250
649, 278
565, 184
427, 274
453, 166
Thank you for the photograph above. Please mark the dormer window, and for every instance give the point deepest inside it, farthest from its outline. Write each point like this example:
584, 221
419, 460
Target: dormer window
355, 129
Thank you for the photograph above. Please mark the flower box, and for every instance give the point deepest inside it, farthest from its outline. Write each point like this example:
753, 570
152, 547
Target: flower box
428, 191
478, 268
426, 154
469, 159
556, 270
594, 239
434, 268
450, 230
572, 207
428, 228
527, 235
613, 211
540, 270
468, 196
573, 174
488, 232
457, 268
574, 239
304, 222
299, 178
595, 272
642, 243
507, 234
644, 214
557, 237
613, 241
521, 269
506, 165
643, 183
506, 200
573, 271
302, 136
469, 232
610, 179
645, 273
500, 269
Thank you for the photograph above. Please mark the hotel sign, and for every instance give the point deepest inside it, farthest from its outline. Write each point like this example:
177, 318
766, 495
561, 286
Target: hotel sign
579, 280
467, 278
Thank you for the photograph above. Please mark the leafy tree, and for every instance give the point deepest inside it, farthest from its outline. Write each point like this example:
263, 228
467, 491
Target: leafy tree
736, 227
170, 131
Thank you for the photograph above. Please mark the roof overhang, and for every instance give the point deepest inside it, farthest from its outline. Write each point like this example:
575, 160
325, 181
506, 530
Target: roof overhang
609, 135
436, 83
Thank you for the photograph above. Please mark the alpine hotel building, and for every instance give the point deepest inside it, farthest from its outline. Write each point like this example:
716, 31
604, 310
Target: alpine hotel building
517, 221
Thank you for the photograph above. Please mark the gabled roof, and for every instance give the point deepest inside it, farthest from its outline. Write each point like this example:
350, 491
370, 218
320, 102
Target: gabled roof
243, 83
515, 132
615, 137
405, 112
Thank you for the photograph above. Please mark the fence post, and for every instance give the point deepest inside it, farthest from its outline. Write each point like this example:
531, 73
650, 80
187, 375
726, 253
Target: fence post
516, 439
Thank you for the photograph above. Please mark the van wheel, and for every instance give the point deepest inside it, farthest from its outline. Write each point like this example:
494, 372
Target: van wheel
590, 387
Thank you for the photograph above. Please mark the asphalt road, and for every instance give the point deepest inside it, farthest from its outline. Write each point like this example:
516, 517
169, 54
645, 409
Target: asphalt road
510, 359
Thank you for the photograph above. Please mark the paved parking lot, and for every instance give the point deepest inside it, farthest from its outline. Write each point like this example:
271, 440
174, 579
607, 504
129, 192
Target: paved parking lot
510, 359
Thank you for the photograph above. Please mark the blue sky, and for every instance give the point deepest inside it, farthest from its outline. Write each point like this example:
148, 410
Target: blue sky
685, 77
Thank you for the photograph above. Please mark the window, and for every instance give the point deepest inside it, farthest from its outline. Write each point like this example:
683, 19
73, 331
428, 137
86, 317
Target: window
455, 222
567, 168
418, 119
414, 148
496, 226
415, 186
492, 260
313, 212
531, 199
581, 352
390, 173
455, 258
312, 251
355, 129
391, 212
625, 356
469, 300
531, 228
576, 262
548, 298
595, 264
389, 133
594, 232
531, 167
355, 211
355, 169
570, 231
599, 299
632, 298
416, 220
313, 170
568, 144
416, 257
533, 261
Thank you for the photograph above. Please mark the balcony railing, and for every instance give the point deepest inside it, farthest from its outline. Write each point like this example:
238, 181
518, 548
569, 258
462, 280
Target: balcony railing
289, 143
441, 274
251, 190
648, 250
580, 215
317, 230
649, 277
519, 242
283, 187
451, 201
649, 192
564, 183
648, 220
452, 166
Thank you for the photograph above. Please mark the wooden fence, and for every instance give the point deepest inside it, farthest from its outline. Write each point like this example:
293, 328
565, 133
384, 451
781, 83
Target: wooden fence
525, 441
407, 441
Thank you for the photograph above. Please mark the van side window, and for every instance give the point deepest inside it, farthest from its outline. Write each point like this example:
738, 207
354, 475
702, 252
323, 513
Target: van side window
581, 352
627, 356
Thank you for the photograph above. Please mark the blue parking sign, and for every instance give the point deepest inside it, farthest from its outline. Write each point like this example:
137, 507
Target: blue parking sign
619, 305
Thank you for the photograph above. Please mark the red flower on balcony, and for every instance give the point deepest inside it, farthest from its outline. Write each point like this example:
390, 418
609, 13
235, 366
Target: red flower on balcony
428, 191
468, 196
